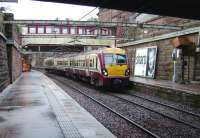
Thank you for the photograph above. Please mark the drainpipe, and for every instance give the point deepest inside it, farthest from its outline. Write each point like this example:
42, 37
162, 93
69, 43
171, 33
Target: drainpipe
195, 57
174, 56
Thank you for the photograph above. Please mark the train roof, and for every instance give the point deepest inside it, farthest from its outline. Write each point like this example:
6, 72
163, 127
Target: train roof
101, 50
114, 50
105, 50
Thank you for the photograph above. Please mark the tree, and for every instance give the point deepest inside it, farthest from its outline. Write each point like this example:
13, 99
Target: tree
92, 19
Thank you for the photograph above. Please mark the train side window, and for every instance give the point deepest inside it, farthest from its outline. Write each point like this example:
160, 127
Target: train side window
90, 62
96, 62
82, 64
93, 62
78, 63
84, 61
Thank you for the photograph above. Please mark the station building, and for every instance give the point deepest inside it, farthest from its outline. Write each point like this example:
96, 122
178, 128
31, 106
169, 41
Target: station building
153, 52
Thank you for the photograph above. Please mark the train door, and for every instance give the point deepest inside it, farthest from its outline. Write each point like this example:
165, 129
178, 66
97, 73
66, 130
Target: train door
87, 58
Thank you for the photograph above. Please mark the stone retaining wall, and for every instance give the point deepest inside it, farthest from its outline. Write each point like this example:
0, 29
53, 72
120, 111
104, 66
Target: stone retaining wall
4, 74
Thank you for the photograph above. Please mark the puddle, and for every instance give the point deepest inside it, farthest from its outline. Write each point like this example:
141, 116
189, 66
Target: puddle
36, 103
2, 119
184, 98
50, 115
191, 100
9, 108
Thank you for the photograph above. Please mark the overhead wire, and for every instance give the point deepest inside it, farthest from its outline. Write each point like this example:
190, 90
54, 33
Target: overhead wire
87, 13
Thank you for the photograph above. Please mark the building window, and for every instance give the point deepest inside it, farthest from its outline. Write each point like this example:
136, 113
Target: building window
49, 29
57, 30
40, 30
32, 30
88, 32
72, 30
104, 32
65, 30
95, 31
80, 31
24, 30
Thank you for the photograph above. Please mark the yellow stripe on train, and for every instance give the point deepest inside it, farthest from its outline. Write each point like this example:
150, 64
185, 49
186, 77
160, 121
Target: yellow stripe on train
116, 70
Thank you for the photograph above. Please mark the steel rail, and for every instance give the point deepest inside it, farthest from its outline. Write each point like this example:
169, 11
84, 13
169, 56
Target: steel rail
105, 106
169, 106
164, 115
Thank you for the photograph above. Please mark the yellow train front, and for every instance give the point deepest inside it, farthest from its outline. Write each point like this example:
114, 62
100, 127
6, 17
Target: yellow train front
114, 68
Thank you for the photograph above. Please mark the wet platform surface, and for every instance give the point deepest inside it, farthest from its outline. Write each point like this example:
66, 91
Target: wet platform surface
35, 107
185, 88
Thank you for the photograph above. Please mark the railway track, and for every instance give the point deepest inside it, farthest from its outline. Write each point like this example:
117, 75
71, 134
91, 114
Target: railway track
129, 119
162, 114
113, 111
166, 105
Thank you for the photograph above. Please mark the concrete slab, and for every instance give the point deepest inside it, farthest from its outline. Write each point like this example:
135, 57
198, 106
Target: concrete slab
29, 114
86, 125
34, 106
193, 89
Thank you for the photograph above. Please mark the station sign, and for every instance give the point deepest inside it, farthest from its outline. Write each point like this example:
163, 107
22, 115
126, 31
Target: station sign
145, 61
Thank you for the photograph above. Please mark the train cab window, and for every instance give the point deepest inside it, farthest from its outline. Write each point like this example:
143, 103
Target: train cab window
108, 59
114, 59
121, 59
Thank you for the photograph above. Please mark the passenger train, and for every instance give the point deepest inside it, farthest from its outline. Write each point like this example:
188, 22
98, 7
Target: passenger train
102, 67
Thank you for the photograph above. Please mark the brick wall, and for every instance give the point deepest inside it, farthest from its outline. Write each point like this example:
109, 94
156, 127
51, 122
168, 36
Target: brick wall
164, 64
16, 64
12, 32
197, 68
4, 75
137, 33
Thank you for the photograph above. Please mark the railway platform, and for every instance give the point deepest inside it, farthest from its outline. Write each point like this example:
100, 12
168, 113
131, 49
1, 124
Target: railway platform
144, 84
34, 106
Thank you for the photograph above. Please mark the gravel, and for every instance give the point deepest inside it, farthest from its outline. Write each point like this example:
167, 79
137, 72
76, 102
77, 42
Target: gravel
118, 126
154, 122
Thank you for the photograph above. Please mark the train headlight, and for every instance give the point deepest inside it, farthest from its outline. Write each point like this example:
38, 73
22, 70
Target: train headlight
105, 73
127, 72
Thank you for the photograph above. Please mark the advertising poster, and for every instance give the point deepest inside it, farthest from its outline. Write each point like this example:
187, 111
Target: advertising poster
140, 62
151, 62
145, 62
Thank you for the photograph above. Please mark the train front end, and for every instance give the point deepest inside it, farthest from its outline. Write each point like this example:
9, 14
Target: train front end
115, 68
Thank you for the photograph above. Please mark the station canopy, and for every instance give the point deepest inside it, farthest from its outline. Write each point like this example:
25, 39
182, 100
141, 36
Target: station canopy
175, 8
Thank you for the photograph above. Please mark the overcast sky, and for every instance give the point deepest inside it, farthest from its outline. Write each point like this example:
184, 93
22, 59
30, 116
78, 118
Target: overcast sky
27, 9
